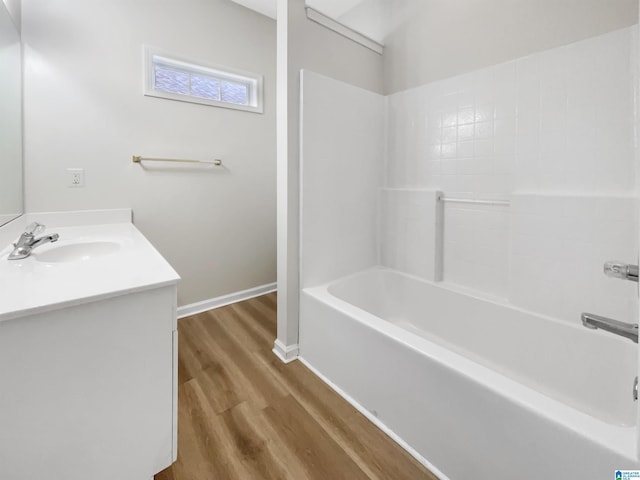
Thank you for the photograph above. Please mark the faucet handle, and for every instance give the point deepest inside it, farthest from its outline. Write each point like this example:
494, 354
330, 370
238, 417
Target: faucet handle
621, 270
35, 228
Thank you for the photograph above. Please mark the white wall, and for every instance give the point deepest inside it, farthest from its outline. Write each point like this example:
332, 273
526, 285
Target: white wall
15, 9
436, 39
305, 44
84, 108
553, 133
342, 133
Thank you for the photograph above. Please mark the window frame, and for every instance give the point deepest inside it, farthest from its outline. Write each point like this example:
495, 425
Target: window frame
154, 56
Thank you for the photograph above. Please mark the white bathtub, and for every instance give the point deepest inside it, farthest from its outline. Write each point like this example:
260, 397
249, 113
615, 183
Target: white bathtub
479, 390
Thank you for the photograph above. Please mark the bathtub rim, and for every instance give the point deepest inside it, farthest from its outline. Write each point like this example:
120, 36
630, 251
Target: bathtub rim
619, 439
460, 290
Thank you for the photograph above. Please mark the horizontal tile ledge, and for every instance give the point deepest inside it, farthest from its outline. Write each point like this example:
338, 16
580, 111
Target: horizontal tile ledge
474, 201
623, 196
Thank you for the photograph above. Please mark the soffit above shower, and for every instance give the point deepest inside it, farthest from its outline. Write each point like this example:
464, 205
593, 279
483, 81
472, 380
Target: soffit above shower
366, 17
265, 7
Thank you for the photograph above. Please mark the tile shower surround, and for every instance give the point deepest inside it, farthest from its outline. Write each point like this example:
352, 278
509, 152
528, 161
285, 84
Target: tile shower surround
553, 133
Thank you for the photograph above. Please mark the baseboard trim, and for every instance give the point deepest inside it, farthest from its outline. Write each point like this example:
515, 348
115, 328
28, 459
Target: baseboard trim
203, 306
376, 421
285, 353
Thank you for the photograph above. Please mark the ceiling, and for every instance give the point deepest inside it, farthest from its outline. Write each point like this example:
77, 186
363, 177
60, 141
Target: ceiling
265, 7
332, 8
368, 17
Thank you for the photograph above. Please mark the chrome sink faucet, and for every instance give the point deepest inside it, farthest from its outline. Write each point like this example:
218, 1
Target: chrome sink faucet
28, 241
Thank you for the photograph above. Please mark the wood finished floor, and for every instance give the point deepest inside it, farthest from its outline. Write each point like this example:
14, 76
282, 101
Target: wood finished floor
243, 414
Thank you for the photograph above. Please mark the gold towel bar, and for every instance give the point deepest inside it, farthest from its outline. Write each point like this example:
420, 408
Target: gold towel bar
137, 159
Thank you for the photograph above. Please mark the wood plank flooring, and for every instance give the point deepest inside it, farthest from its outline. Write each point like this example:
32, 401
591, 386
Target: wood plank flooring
243, 414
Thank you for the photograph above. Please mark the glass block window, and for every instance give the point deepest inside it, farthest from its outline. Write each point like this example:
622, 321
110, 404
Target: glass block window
167, 76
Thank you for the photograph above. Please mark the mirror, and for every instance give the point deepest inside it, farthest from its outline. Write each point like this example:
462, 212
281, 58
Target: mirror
10, 119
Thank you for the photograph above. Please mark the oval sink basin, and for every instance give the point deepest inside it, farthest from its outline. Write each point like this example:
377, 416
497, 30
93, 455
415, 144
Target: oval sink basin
77, 252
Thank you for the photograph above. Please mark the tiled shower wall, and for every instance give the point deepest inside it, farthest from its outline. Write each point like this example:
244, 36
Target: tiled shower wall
554, 134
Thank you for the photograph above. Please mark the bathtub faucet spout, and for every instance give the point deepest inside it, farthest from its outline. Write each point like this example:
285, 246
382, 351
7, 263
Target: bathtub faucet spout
627, 330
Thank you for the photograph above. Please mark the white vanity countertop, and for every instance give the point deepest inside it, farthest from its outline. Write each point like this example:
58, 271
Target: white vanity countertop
44, 281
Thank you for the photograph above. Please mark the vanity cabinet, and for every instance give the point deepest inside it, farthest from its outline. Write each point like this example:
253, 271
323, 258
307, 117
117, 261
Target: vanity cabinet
89, 391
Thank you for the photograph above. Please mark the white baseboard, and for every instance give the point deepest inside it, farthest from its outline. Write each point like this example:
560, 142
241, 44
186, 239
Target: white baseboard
377, 422
203, 306
285, 353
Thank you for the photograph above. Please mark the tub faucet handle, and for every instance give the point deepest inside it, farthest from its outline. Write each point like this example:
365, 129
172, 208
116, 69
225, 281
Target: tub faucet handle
621, 270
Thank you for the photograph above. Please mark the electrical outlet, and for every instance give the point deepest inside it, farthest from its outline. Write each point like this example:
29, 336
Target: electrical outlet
75, 177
